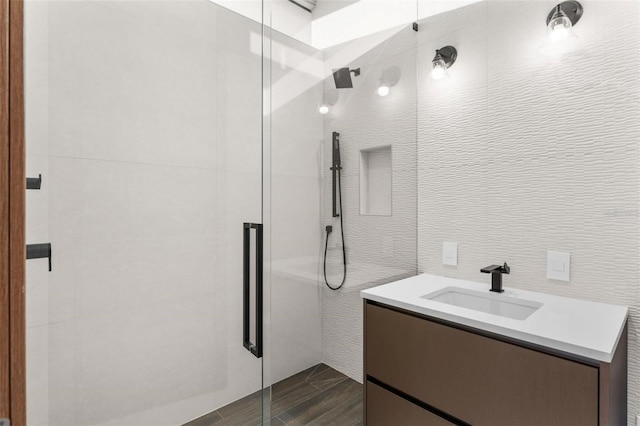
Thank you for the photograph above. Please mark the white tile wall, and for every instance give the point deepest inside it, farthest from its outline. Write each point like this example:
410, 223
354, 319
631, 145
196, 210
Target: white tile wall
37, 275
295, 214
125, 92
520, 153
145, 120
140, 359
37, 373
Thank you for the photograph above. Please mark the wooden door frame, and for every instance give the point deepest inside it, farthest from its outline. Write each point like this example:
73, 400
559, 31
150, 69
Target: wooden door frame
12, 215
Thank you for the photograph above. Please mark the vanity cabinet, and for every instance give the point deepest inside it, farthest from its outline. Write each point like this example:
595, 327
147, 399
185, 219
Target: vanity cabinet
425, 371
387, 408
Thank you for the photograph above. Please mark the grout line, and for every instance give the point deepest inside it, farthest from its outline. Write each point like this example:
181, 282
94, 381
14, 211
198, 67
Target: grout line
137, 163
214, 168
338, 381
326, 381
315, 387
277, 417
312, 373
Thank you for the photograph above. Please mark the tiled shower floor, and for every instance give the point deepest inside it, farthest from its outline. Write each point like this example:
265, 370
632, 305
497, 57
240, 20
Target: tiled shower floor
317, 396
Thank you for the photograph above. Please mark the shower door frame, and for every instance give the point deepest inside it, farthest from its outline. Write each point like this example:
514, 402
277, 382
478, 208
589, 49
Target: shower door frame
12, 215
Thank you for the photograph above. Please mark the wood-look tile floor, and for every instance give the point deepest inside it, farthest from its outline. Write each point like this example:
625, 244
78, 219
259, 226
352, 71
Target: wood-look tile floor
318, 396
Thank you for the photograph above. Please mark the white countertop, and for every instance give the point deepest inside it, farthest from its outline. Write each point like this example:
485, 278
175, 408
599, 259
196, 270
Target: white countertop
579, 327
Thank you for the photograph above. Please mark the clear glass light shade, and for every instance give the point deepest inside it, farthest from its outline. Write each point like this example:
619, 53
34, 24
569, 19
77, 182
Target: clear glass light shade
559, 28
323, 109
383, 90
439, 70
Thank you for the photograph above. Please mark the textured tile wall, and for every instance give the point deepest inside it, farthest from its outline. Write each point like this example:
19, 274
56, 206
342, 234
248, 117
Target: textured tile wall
379, 248
520, 153
375, 182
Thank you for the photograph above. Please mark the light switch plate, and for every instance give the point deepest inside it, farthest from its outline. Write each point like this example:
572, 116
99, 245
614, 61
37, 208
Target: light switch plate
450, 254
558, 266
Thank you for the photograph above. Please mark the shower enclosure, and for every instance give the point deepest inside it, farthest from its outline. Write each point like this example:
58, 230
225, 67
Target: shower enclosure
184, 194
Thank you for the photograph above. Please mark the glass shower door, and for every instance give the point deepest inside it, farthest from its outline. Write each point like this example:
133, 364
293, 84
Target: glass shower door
240, 210
144, 120
315, 337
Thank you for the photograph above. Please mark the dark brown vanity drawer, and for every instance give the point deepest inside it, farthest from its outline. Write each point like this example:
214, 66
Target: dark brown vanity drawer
386, 409
476, 379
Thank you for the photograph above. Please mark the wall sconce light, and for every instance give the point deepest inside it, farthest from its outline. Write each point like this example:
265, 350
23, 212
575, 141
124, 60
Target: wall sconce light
445, 57
323, 109
561, 20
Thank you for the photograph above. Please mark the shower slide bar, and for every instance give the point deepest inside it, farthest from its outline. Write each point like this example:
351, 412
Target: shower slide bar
336, 166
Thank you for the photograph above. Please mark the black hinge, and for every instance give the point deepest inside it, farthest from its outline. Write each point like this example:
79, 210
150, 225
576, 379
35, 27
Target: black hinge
415, 26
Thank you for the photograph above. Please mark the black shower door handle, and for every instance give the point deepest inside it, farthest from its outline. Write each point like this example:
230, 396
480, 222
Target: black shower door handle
254, 348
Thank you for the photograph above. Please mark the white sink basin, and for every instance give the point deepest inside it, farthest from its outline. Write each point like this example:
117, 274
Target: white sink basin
491, 303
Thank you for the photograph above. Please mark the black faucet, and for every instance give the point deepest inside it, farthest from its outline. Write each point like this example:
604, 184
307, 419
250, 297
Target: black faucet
496, 272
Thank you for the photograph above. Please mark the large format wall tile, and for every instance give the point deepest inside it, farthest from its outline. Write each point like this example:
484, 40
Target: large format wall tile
122, 364
132, 229
239, 126
296, 223
149, 139
144, 93
38, 375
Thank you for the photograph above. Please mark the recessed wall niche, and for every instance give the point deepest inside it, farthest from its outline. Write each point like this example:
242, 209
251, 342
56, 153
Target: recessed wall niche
375, 181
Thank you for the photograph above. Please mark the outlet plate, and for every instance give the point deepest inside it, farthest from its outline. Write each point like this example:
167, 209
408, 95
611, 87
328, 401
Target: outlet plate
558, 266
637, 420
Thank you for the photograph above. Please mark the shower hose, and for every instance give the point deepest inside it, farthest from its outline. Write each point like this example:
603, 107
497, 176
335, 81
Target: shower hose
326, 244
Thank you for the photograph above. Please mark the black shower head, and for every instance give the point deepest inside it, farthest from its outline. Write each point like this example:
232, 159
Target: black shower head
342, 77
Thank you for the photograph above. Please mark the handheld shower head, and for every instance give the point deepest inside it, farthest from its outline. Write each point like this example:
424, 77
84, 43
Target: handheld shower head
342, 77
337, 162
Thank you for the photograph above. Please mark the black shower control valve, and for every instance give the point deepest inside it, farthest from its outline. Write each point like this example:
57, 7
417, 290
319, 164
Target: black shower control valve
329, 229
39, 251
34, 183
